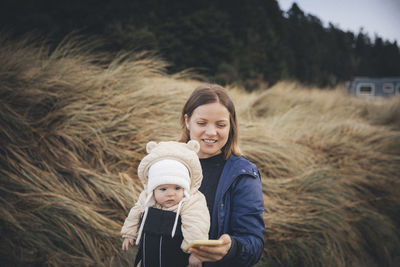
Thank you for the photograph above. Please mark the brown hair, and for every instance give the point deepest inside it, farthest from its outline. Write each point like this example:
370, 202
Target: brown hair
207, 94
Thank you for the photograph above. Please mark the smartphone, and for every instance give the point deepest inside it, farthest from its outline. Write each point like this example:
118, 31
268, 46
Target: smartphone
198, 243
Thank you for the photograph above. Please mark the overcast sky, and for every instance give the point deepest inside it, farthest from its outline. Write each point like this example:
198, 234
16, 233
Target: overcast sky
381, 17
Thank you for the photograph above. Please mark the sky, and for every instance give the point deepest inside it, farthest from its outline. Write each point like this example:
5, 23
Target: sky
376, 17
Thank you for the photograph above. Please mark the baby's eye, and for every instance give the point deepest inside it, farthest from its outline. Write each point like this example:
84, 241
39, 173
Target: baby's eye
162, 189
178, 188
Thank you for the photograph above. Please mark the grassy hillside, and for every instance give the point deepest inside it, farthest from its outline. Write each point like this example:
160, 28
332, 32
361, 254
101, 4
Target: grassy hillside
74, 124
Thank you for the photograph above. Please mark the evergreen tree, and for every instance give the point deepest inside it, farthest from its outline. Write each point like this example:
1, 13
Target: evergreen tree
229, 41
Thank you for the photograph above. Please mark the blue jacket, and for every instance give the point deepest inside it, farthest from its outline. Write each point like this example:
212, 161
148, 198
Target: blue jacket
238, 209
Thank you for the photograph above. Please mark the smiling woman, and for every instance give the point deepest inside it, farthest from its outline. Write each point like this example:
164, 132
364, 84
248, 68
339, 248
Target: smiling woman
211, 115
231, 184
209, 125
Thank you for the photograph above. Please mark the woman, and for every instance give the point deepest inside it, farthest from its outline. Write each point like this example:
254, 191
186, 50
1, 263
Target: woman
231, 184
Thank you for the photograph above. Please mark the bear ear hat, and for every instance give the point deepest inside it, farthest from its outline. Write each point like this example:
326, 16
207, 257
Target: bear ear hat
194, 145
150, 146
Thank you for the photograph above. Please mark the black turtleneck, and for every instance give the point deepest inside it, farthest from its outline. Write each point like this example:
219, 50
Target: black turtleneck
212, 168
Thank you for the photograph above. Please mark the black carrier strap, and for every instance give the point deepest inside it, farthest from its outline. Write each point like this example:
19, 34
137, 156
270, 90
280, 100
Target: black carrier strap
157, 247
160, 222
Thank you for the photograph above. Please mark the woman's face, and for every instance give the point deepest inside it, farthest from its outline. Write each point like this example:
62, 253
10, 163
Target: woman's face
209, 125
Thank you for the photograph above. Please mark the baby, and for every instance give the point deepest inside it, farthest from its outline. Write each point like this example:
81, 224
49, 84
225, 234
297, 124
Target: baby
170, 212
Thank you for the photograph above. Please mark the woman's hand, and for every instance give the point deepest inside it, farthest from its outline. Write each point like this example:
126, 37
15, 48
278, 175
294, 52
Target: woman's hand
126, 242
194, 262
209, 253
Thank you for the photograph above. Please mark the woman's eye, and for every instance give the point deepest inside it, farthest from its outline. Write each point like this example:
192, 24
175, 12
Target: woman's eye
201, 123
221, 125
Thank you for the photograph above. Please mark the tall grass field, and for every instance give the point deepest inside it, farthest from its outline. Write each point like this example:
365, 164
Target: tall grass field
74, 124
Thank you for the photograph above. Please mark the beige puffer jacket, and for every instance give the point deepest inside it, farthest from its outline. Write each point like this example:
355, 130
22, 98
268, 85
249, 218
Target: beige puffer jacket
194, 213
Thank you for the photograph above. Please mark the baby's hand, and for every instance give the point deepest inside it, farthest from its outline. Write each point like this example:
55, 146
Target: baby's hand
194, 262
126, 242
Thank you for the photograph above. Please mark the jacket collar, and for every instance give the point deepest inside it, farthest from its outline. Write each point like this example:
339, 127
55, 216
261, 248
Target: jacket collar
234, 166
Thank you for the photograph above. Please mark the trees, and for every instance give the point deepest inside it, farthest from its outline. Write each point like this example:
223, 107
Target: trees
224, 40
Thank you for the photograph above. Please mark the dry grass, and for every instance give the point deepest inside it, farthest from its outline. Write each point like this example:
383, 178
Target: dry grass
332, 176
74, 124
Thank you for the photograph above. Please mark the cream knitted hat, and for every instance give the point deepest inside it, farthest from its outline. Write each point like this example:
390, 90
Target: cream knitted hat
168, 171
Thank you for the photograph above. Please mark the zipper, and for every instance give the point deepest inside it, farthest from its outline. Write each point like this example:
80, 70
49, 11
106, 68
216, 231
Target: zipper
160, 251
144, 250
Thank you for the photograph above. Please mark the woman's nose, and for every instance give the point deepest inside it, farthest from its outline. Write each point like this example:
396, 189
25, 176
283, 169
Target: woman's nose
210, 130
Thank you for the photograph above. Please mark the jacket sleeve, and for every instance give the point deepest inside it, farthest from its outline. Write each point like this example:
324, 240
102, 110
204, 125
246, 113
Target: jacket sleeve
247, 223
195, 219
131, 224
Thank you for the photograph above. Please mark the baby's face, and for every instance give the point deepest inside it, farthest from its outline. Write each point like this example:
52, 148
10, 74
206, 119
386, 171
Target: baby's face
168, 195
